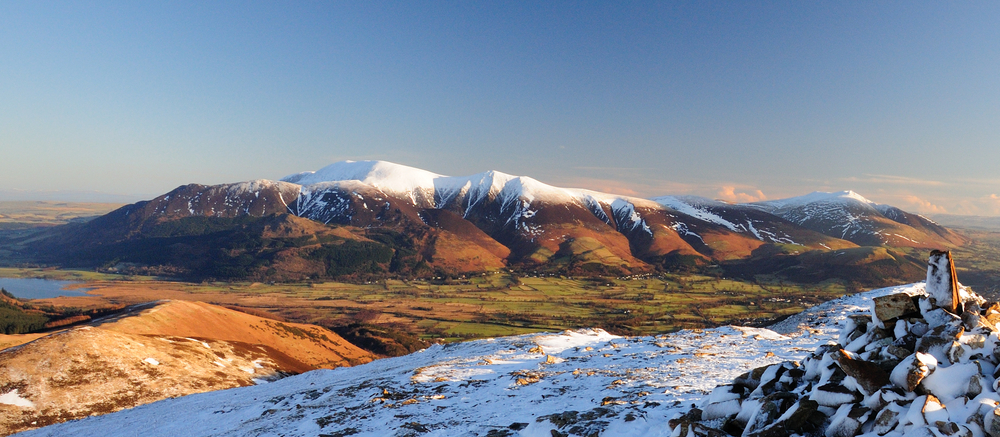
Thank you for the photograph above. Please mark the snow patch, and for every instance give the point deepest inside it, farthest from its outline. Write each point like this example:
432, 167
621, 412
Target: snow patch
555, 344
14, 398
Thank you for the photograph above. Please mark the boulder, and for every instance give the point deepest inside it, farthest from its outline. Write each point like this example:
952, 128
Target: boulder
723, 402
771, 408
991, 423
869, 376
916, 365
893, 306
847, 421
887, 418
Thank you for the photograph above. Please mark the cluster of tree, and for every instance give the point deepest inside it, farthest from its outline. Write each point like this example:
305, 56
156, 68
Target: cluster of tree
380, 339
15, 320
351, 257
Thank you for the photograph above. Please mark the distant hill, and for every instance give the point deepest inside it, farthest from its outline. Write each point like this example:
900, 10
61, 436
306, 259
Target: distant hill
375, 218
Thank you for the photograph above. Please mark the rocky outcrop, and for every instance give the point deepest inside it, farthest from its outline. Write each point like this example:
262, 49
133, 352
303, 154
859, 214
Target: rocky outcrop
918, 365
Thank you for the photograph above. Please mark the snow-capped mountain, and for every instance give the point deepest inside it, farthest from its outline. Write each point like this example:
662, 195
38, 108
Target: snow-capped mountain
844, 215
393, 179
849, 216
574, 383
499, 219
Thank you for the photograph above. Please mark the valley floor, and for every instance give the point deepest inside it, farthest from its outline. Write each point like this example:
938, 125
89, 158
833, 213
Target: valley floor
486, 306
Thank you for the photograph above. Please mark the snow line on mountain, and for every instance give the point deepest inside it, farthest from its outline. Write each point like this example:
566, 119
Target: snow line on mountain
581, 381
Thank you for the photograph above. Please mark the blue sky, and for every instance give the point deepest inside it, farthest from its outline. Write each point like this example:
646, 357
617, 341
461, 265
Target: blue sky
734, 100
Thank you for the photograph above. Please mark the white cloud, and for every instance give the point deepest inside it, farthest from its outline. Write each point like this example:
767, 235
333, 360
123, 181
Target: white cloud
917, 204
730, 194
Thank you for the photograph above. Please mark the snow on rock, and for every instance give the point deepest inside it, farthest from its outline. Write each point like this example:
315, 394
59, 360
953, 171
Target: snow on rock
941, 281
893, 373
152, 361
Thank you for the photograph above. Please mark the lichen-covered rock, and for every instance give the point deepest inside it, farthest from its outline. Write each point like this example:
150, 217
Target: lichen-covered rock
893, 306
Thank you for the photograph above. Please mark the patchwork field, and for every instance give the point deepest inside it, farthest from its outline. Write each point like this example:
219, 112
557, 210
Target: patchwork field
476, 307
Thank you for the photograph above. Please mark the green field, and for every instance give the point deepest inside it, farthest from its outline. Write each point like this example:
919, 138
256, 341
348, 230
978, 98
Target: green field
501, 304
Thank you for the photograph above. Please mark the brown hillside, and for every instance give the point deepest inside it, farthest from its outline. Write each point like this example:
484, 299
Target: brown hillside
311, 345
464, 230
155, 351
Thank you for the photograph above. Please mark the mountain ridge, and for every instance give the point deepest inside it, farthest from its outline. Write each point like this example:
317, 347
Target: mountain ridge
516, 221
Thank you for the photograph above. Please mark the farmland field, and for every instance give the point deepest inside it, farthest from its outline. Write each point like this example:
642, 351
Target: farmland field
475, 307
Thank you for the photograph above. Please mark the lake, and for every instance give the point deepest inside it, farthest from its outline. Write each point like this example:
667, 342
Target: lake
39, 288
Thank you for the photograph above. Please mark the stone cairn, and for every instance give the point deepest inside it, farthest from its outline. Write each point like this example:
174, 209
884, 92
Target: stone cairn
924, 365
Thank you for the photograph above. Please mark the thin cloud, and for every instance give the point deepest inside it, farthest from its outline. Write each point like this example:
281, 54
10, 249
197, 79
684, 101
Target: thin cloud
614, 168
895, 180
974, 181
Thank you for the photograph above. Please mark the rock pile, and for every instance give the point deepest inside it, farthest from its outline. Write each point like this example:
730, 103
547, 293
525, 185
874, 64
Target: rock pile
922, 365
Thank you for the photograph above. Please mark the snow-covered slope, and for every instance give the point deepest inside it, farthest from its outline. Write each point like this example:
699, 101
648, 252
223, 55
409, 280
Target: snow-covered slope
698, 207
576, 382
385, 175
444, 191
849, 216
750, 221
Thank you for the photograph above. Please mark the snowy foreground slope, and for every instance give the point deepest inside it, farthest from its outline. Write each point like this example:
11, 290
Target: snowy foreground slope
576, 382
